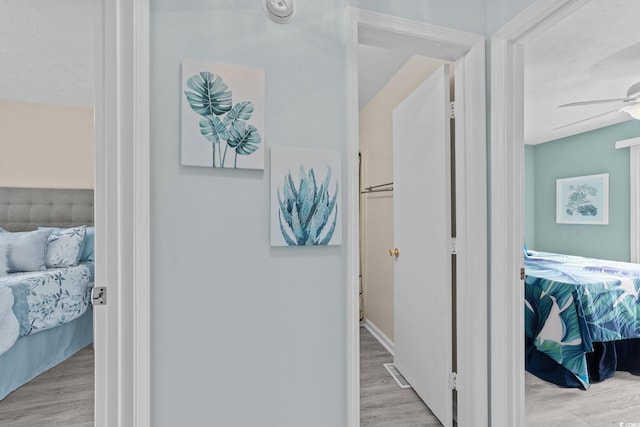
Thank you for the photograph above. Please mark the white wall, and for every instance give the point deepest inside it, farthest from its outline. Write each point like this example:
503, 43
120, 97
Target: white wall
46, 146
376, 145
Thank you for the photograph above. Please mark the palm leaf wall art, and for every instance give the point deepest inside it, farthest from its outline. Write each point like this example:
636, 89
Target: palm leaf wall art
218, 130
305, 197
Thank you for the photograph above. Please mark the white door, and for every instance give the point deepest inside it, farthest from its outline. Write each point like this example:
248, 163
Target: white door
422, 233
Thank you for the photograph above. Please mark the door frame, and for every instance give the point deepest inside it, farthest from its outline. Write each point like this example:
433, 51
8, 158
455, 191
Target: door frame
471, 200
122, 215
507, 225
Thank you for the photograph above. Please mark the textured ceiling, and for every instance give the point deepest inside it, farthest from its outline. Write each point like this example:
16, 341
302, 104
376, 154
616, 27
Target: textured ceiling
47, 51
592, 54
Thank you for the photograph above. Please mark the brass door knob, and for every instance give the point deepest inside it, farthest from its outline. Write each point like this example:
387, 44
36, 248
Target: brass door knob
395, 252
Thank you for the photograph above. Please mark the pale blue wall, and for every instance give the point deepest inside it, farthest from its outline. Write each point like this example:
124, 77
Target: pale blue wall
499, 12
585, 154
466, 15
244, 334
529, 196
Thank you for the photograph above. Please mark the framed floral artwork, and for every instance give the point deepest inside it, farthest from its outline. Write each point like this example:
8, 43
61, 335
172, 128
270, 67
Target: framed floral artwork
583, 200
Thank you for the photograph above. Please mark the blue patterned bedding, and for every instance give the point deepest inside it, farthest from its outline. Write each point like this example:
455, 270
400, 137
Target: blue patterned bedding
37, 301
572, 302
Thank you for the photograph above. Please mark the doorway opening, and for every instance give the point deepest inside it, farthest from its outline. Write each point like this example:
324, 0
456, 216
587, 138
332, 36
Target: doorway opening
467, 52
48, 179
385, 313
514, 45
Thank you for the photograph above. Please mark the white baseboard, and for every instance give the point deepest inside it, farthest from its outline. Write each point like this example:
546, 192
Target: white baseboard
379, 335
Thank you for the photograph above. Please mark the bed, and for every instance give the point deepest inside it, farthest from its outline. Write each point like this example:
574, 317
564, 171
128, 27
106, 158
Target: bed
45, 309
582, 318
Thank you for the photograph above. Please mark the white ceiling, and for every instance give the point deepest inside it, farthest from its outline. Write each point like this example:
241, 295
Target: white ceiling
46, 51
592, 54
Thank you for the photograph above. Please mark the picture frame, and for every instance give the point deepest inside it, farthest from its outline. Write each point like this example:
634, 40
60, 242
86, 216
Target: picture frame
583, 200
222, 116
306, 205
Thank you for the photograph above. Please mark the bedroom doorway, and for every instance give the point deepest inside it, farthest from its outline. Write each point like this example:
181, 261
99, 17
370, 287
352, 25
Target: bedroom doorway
121, 119
467, 51
122, 190
510, 46
48, 178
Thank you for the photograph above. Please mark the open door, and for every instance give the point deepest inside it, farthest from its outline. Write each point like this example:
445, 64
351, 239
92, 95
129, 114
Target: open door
422, 232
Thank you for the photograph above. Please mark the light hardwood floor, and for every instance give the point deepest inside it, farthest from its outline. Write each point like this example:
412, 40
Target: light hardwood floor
614, 402
60, 397
63, 397
382, 402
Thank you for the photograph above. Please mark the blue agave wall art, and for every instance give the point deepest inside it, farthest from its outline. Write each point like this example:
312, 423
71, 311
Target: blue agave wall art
305, 197
306, 209
215, 131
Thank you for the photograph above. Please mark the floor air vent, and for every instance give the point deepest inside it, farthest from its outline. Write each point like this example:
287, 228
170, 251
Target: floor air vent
402, 382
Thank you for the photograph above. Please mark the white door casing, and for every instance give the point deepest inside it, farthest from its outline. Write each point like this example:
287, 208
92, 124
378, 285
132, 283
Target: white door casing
471, 198
633, 144
422, 232
506, 183
122, 327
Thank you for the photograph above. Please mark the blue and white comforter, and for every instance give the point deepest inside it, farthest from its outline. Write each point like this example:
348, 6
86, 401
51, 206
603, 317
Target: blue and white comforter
572, 302
36, 301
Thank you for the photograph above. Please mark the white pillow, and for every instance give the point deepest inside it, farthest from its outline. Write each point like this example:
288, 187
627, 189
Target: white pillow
26, 249
64, 247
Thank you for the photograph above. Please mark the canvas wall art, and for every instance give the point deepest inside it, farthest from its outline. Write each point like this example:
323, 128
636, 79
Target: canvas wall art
305, 197
583, 200
223, 116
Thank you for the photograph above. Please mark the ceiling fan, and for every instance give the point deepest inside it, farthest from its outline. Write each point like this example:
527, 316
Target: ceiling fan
632, 109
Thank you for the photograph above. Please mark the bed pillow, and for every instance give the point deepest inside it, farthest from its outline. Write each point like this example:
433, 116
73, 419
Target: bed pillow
26, 250
4, 259
88, 247
64, 246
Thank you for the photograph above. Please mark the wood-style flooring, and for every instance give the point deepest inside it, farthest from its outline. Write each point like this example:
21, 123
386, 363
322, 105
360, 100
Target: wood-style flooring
614, 402
382, 402
60, 397
63, 397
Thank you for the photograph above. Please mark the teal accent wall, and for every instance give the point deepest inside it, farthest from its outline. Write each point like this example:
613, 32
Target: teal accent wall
584, 154
529, 196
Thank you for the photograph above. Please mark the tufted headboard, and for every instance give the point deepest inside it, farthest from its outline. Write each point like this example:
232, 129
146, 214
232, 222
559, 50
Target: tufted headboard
23, 209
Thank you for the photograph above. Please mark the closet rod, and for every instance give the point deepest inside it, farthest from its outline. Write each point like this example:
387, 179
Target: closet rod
376, 188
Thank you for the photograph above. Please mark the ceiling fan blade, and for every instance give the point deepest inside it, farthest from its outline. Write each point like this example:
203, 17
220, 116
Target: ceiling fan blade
599, 101
588, 118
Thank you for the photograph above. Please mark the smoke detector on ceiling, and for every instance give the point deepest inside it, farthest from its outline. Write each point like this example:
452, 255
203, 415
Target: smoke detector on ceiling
280, 11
